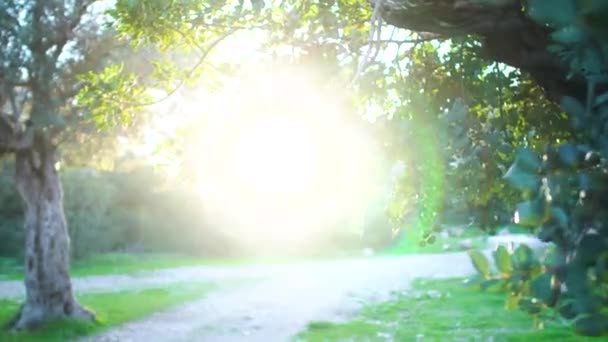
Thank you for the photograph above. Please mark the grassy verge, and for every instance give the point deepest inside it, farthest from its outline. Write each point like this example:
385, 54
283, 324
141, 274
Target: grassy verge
125, 263
439, 310
119, 263
111, 309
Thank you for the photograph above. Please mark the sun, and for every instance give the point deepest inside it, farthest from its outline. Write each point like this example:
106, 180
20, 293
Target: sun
277, 158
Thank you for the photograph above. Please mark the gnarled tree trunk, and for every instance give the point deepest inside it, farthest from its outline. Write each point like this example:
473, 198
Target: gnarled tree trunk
49, 294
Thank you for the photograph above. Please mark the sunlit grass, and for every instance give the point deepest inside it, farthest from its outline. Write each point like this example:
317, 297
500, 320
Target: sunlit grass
111, 310
439, 310
119, 263
125, 263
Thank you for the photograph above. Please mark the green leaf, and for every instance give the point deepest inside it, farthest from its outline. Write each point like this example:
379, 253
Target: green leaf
554, 12
567, 310
541, 288
523, 256
502, 258
559, 215
521, 179
572, 106
601, 99
528, 160
530, 213
589, 249
480, 262
569, 155
576, 281
570, 34
592, 61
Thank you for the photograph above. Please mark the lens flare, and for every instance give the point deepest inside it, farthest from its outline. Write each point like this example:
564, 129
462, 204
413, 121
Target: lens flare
280, 163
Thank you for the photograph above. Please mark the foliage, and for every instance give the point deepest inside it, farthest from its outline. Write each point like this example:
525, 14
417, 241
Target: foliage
112, 97
519, 273
472, 108
438, 310
111, 308
564, 186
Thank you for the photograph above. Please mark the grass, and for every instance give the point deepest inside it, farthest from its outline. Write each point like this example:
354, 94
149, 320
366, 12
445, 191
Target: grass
126, 263
440, 310
111, 309
119, 263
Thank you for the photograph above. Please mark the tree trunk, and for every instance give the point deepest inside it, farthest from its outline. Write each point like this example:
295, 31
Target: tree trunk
49, 294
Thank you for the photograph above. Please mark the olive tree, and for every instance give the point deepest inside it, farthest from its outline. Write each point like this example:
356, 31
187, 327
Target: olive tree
46, 46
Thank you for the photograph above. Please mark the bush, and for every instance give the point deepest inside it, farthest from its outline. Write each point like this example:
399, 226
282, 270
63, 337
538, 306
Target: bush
96, 222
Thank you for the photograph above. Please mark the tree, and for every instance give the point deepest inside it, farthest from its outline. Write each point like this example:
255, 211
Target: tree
60, 85
497, 24
47, 45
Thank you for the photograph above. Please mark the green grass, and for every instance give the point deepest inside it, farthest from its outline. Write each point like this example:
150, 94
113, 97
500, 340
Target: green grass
125, 263
440, 310
111, 309
120, 263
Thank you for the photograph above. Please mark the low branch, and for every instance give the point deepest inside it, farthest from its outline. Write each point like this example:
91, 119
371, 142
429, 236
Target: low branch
203, 57
376, 17
507, 35
406, 41
68, 26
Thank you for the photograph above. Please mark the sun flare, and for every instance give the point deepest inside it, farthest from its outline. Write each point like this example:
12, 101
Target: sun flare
278, 159
278, 155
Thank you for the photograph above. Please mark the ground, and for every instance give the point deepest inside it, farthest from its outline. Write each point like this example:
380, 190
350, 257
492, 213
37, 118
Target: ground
281, 300
270, 302
442, 310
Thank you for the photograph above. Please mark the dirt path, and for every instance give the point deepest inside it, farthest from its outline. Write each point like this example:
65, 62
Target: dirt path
280, 305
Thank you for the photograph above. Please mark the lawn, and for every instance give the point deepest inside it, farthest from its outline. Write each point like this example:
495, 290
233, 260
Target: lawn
119, 263
111, 309
439, 310
125, 263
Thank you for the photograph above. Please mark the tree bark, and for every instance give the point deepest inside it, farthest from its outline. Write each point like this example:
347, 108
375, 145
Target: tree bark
49, 294
507, 35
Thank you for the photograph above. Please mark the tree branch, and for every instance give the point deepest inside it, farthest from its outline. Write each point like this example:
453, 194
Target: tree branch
507, 34
201, 60
67, 27
376, 17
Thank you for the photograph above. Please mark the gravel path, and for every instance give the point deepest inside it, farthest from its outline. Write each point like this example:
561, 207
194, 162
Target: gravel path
279, 305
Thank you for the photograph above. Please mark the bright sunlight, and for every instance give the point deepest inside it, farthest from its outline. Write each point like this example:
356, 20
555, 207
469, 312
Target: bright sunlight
280, 161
